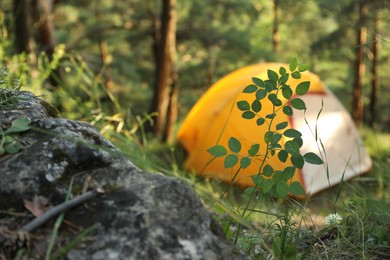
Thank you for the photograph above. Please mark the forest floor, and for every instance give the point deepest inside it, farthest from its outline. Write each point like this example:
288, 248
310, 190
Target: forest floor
300, 229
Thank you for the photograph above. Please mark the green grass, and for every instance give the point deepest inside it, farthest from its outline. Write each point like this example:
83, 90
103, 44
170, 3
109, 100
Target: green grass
284, 228
291, 228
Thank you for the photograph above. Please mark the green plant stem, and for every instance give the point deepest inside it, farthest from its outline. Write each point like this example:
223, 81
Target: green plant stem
54, 235
220, 135
61, 252
256, 186
320, 146
65, 206
230, 184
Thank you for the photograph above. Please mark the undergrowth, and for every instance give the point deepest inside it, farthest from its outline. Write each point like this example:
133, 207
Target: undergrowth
276, 227
265, 223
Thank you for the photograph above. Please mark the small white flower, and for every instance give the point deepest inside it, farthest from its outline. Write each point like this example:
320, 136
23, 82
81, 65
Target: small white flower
333, 219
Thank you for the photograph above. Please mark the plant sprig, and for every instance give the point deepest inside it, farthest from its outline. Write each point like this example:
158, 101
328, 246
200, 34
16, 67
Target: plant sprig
279, 139
9, 141
6, 82
8, 99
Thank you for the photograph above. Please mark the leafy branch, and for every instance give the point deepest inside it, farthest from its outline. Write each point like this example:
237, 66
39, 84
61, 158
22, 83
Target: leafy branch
280, 140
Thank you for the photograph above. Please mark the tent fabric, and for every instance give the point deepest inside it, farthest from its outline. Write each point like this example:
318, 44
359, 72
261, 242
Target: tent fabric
215, 118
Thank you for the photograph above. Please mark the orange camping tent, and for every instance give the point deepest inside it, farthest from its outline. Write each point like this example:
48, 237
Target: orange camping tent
215, 118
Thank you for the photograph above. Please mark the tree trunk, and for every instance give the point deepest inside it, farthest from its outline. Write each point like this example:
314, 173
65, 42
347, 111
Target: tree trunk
172, 110
172, 113
374, 72
359, 67
275, 30
156, 42
164, 66
45, 25
24, 41
46, 32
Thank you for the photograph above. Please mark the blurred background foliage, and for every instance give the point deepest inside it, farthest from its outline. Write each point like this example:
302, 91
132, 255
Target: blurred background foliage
95, 61
213, 38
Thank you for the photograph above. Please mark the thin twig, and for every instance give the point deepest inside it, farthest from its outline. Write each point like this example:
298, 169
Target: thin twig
37, 222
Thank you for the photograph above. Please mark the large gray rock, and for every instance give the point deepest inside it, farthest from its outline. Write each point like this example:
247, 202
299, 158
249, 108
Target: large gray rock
139, 216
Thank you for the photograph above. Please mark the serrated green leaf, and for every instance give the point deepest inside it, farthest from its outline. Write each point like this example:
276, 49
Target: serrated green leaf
260, 94
257, 179
281, 189
13, 147
243, 105
256, 106
274, 99
282, 155
258, 82
234, 145
299, 141
287, 92
268, 170
281, 125
248, 191
312, 158
21, 122
270, 116
292, 133
275, 138
302, 88
303, 67
267, 136
283, 79
217, 151
272, 75
296, 189
230, 161
8, 139
2, 150
270, 85
250, 89
296, 75
248, 115
245, 162
277, 177
287, 110
298, 161
260, 121
266, 186
292, 147
293, 64
282, 71
298, 103
277, 103
254, 150
288, 173
18, 125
